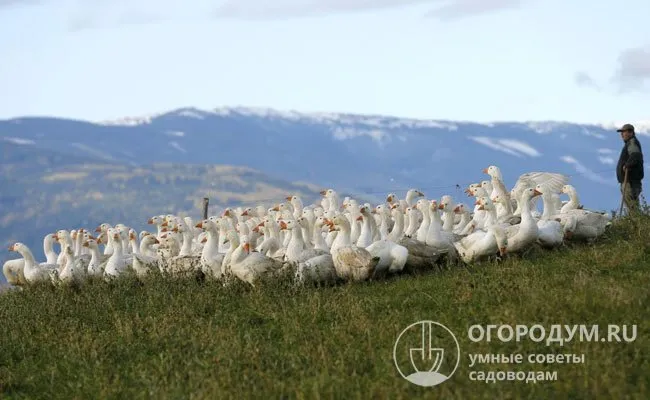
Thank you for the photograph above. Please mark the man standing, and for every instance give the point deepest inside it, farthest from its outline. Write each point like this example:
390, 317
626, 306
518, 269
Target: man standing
631, 160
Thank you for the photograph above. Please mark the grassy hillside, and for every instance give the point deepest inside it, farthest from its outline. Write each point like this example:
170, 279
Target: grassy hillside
186, 339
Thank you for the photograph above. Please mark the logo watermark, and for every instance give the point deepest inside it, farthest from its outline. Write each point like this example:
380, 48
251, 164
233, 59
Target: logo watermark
426, 353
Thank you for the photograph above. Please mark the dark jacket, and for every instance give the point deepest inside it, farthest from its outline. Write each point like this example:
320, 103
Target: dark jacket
632, 157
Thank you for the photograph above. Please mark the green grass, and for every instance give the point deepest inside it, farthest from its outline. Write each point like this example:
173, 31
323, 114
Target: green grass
186, 339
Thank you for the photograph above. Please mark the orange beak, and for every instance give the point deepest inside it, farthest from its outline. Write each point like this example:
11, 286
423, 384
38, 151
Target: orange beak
164, 224
441, 206
245, 213
276, 208
247, 247
283, 225
323, 192
477, 203
11, 248
199, 225
150, 221
289, 198
85, 244
226, 213
360, 218
394, 206
256, 229
205, 239
98, 229
481, 207
457, 209
175, 230
116, 236
537, 192
485, 170
389, 199
503, 251
55, 237
156, 240
164, 230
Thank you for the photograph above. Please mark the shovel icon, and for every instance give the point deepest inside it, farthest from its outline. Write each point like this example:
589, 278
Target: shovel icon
429, 358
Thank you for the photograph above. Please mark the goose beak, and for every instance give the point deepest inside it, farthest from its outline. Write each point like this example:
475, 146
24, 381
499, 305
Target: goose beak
11, 248
457, 209
199, 225
55, 237
485, 170
247, 247
359, 218
441, 207
245, 213
389, 199
283, 225
256, 229
537, 192
289, 198
98, 229
205, 239
85, 244
477, 203
150, 221
164, 224
323, 192
420, 194
481, 207
276, 208
503, 251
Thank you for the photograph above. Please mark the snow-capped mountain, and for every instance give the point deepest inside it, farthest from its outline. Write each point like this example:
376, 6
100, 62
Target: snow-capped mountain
366, 154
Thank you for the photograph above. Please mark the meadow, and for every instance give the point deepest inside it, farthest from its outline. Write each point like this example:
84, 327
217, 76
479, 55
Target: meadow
196, 339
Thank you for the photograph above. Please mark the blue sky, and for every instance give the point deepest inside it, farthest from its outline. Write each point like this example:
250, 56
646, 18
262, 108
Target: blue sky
478, 60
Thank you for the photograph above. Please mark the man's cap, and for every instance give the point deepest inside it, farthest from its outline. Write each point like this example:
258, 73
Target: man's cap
626, 127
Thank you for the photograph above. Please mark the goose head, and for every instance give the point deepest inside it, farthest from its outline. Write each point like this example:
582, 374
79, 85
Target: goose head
446, 203
471, 189
422, 205
90, 243
18, 247
493, 171
413, 194
390, 199
459, 209
103, 227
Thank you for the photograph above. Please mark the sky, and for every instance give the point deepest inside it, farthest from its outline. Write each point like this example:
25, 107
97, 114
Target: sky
471, 60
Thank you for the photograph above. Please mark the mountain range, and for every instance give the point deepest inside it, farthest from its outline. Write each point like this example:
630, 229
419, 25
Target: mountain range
64, 173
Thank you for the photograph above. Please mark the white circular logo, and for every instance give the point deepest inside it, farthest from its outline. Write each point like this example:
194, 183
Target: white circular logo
426, 353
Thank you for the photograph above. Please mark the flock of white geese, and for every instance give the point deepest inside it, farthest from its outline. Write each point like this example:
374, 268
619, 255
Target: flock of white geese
327, 241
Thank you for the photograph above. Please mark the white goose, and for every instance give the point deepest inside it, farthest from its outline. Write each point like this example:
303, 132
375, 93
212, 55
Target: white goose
33, 272
481, 245
524, 234
251, 266
351, 262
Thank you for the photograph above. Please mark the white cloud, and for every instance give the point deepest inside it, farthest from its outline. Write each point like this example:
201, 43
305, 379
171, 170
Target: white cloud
511, 146
177, 147
584, 171
606, 160
491, 143
19, 141
349, 133
520, 146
